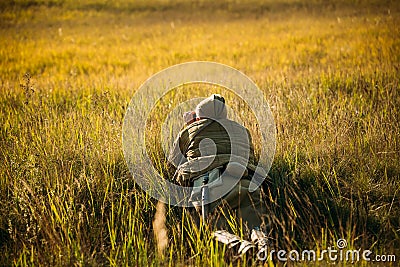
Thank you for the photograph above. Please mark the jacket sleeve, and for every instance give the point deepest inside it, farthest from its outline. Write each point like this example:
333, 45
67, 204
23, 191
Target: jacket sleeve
176, 156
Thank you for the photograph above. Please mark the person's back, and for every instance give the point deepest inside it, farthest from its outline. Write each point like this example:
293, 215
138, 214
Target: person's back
212, 142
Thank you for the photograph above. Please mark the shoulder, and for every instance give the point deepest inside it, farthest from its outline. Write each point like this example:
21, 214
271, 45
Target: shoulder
230, 124
197, 126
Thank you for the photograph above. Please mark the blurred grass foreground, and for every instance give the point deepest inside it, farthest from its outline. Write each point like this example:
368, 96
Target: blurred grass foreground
329, 70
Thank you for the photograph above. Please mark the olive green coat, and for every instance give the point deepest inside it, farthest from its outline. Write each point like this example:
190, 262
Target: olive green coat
195, 154
232, 143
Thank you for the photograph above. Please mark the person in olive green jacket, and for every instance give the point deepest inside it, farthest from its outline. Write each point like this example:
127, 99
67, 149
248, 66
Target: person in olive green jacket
213, 142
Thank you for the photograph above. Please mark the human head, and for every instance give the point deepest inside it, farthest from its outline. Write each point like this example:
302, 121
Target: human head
212, 107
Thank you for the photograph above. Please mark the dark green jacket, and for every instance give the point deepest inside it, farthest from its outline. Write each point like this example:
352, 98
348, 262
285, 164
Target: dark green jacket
207, 144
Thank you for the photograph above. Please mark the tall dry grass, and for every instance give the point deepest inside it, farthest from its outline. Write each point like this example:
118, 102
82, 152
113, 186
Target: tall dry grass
329, 71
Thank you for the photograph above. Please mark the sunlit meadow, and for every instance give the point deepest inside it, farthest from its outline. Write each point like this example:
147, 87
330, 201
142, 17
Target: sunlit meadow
68, 69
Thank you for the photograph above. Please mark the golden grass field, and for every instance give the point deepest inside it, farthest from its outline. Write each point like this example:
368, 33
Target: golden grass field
328, 69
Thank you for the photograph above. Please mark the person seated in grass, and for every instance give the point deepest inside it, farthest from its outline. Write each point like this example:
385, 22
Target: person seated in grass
209, 146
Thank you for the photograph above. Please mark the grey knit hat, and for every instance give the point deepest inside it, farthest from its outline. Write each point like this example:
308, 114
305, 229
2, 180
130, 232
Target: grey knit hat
212, 107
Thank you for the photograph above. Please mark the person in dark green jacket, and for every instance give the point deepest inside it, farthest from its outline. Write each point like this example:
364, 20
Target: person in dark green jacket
213, 142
